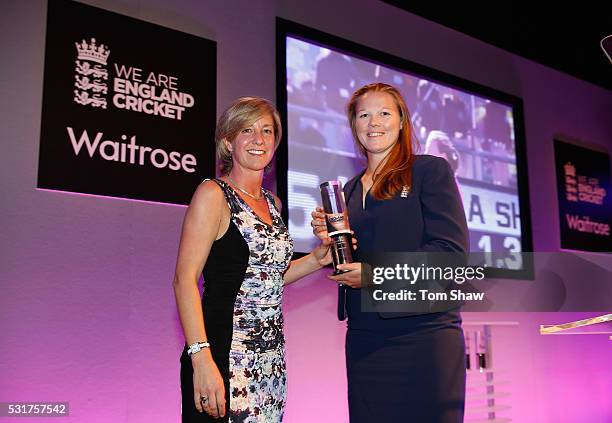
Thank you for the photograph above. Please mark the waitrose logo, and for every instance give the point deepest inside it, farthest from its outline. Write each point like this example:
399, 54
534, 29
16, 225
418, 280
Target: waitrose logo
585, 224
129, 152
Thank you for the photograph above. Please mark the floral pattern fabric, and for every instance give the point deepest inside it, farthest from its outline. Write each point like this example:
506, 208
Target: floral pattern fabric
257, 353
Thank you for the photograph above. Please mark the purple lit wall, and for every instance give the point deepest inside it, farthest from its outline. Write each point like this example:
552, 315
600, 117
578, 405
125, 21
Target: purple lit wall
87, 313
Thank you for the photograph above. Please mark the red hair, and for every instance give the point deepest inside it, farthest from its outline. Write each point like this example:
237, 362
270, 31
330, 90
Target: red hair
396, 170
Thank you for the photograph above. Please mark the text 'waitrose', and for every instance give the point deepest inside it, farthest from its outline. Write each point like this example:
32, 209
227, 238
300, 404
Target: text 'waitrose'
131, 153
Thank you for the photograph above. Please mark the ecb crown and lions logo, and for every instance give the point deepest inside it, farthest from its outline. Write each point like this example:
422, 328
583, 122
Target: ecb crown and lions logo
91, 74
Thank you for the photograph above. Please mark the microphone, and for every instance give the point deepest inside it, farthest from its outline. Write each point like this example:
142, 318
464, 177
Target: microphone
606, 46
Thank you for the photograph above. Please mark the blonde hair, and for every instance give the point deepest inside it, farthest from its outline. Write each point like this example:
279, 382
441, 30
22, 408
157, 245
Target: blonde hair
396, 171
241, 114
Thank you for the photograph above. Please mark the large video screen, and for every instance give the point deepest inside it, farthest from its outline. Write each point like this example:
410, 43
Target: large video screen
474, 129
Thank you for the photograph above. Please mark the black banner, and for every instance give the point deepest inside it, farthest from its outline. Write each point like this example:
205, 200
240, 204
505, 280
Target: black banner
128, 107
585, 204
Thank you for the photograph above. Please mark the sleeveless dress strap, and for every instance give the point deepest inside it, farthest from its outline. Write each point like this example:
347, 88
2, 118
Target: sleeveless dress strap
232, 202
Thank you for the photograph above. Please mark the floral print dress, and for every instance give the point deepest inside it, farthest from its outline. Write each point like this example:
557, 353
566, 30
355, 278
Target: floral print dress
242, 312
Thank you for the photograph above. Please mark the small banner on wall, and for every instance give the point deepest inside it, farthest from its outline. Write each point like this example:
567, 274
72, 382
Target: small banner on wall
128, 107
585, 201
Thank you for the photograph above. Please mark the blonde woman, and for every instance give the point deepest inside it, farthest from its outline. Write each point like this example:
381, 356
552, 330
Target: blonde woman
233, 364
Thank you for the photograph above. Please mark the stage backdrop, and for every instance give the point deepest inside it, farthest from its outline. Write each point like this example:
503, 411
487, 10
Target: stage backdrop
128, 106
585, 205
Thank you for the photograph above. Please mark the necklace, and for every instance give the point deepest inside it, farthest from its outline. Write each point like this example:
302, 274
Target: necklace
243, 190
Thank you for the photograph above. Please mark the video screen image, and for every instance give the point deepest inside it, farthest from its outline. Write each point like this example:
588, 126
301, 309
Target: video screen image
475, 135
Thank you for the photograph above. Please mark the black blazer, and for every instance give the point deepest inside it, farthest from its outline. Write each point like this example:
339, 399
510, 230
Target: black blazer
428, 218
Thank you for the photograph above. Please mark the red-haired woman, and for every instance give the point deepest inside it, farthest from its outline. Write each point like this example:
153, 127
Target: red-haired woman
400, 366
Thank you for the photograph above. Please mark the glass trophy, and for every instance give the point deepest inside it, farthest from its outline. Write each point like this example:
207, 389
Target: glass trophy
337, 223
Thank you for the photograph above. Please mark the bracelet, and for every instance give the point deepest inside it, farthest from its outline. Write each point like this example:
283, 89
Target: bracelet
197, 347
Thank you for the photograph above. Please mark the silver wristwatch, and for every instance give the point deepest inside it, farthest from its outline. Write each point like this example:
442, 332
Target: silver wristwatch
197, 347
